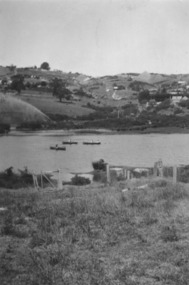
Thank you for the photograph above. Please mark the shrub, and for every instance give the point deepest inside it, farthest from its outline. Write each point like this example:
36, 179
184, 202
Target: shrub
30, 125
99, 176
183, 174
11, 180
4, 128
79, 180
143, 95
164, 105
184, 103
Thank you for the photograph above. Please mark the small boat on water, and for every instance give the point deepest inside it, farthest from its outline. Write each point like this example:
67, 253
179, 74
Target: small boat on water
92, 142
56, 147
70, 142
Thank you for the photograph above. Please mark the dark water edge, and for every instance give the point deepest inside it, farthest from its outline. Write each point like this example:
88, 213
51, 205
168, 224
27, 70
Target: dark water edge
62, 132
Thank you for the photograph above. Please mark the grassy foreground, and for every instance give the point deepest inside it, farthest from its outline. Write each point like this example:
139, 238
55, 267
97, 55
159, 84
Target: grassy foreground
96, 235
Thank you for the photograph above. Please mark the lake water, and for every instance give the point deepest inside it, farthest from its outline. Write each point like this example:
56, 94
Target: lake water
32, 150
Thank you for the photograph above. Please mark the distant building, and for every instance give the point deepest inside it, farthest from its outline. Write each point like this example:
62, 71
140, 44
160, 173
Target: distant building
176, 99
182, 82
184, 98
153, 91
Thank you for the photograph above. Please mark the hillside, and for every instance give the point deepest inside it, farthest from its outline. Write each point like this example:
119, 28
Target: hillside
51, 106
110, 101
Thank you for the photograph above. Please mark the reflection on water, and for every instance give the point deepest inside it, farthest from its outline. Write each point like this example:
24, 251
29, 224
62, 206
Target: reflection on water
32, 150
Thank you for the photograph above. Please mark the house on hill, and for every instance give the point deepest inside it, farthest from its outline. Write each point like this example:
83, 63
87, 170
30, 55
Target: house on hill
153, 91
5, 76
4, 72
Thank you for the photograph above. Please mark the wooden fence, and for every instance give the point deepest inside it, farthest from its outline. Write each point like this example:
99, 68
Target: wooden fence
39, 184
177, 173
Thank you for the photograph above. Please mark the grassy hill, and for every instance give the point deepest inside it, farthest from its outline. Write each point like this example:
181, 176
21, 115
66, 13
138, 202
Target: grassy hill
51, 106
107, 102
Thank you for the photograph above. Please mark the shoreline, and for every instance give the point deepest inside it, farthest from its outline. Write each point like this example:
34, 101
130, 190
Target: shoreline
72, 132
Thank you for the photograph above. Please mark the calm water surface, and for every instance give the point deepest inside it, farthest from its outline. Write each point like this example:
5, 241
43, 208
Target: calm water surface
32, 150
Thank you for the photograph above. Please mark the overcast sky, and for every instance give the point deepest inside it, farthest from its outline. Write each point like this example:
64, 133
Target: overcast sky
96, 37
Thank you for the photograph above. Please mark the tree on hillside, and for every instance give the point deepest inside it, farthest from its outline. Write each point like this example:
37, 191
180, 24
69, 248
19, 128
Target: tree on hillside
17, 83
11, 67
45, 65
144, 96
56, 85
135, 85
60, 90
64, 93
80, 92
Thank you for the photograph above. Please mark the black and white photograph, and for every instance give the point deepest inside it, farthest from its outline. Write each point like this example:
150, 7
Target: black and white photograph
94, 142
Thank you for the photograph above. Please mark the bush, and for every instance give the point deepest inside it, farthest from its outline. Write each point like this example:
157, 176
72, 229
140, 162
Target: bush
99, 176
144, 96
79, 180
183, 174
164, 105
4, 128
184, 103
30, 125
11, 180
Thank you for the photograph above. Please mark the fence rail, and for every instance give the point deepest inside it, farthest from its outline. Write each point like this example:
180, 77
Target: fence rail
178, 173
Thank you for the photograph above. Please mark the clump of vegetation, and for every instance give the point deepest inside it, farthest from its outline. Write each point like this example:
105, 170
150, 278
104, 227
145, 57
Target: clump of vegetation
17, 83
164, 105
183, 174
60, 90
12, 180
79, 180
184, 103
30, 126
45, 65
4, 128
99, 176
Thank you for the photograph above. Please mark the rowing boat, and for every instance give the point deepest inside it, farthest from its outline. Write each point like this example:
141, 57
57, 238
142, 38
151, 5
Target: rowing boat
70, 142
58, 147
92, 142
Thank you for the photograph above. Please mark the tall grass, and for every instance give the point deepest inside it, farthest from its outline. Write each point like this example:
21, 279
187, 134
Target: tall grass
92, 235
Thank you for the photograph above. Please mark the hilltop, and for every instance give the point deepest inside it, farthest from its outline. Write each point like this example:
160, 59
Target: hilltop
127, 101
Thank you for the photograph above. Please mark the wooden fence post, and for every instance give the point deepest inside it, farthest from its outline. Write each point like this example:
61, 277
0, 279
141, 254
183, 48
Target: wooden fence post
59, 181
108, 173
35, 182
161, 171
41, 180
128, 174
125, 173
155, 172
174, 174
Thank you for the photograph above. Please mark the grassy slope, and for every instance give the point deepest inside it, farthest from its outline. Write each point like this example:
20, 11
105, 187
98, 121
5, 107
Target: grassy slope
50, 105
96, 235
